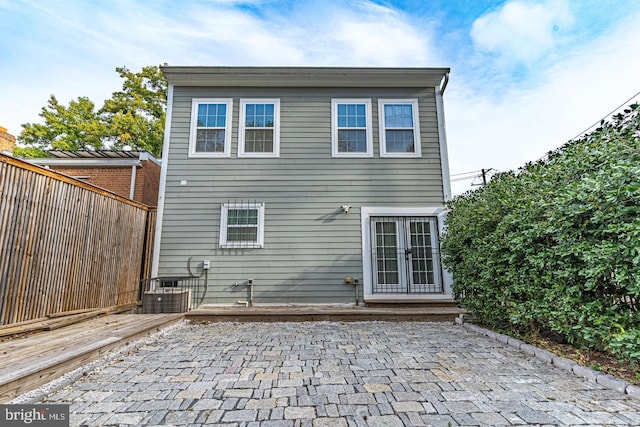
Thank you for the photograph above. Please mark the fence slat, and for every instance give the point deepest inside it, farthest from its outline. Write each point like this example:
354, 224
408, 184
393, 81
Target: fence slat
33, 264
8, 213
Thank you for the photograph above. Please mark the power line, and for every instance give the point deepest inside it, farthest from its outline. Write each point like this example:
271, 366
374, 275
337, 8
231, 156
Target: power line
465, 173
482, 173
464, 178
624, 104
483, 176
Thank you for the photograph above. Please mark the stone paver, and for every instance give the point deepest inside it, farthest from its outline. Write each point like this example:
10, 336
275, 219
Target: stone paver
337, 374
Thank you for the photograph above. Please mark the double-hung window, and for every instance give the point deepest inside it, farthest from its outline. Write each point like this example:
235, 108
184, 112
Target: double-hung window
351, 134
210, 134
259, 133
399, 130
242, 225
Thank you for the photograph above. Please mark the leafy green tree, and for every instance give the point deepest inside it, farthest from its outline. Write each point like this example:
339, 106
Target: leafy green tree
132, 117
76, 127
135, 115
29, 152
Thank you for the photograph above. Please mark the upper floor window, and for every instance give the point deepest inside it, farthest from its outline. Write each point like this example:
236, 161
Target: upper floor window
259, 133
210, 134
399, 130
351, 128
242, 225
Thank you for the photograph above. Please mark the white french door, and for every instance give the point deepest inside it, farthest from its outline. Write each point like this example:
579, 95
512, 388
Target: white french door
405, 255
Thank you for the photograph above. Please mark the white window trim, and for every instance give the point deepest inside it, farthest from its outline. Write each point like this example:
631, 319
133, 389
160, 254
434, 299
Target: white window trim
194, 125
334, 127
416, 127
276, 127
223, 225
366, 212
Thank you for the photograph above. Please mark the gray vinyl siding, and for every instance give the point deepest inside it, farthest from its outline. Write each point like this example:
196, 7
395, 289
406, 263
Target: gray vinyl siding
310, 246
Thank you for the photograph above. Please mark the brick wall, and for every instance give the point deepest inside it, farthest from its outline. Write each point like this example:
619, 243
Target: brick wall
118, 179
148, 183
7, 141
115, 179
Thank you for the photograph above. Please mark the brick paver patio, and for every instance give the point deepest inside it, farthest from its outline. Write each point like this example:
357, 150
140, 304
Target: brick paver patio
336, 374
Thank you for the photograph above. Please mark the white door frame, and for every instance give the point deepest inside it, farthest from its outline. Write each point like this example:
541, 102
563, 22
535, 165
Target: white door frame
366, 212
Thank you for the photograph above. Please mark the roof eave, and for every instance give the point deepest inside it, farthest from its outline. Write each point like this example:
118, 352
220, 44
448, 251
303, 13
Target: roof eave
304, 76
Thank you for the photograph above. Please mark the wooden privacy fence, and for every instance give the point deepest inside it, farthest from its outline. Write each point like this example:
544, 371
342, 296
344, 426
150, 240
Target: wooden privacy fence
66, 245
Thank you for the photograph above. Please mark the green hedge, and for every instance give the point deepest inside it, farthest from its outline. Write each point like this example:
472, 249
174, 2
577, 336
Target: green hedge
555, 246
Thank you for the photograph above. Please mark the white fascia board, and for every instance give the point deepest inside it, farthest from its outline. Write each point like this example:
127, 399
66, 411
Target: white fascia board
163, 184
304, 76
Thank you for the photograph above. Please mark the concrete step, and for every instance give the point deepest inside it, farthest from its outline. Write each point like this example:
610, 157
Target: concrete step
411, 303
336, 313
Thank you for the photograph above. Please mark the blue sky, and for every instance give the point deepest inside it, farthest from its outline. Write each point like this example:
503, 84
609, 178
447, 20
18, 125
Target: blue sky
526, 75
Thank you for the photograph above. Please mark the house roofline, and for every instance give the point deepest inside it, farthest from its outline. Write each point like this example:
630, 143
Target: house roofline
86, 162
304, 76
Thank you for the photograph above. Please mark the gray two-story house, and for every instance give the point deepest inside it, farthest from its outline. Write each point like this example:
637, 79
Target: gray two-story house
304, 180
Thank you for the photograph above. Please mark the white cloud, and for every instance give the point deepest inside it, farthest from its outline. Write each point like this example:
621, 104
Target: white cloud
376, 43
374, 36
75, 52
505, 127
521, 31
356, 33
233, 37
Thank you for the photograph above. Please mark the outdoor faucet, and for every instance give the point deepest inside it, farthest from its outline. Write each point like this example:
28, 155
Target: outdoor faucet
248, 283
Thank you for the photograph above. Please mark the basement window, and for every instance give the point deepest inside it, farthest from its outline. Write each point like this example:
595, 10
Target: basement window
242, 225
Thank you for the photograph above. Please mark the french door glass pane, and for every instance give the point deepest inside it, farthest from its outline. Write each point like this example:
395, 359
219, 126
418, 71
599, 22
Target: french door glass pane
387, 253
403, 255
422, 260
